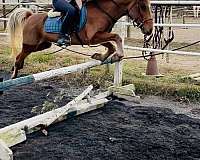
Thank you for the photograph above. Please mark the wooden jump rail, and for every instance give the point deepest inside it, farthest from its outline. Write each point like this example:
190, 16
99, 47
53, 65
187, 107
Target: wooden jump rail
6, 85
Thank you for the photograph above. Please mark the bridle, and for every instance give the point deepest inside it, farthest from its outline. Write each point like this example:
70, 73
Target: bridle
136, 21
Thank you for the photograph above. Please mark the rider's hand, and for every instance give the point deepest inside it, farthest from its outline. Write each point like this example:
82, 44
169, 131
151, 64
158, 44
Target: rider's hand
79, 4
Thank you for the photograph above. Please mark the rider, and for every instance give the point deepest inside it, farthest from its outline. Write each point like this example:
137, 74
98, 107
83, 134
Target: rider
65, 6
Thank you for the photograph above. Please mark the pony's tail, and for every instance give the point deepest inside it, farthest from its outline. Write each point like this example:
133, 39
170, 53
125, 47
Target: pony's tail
15, 28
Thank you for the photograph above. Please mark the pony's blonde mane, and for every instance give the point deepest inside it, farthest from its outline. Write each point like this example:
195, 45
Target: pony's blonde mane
15, 28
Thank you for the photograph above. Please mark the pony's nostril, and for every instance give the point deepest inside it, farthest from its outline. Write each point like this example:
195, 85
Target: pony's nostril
149, 32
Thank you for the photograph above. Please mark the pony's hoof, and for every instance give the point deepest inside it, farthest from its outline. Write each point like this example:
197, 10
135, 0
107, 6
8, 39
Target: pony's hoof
14, 75
100, 57
116, 58
97, 56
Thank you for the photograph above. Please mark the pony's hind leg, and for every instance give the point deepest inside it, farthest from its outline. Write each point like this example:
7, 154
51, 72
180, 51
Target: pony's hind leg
26, 50
19, 61
43, 45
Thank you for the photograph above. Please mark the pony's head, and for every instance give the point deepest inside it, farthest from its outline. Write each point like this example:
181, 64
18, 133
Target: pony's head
140, 12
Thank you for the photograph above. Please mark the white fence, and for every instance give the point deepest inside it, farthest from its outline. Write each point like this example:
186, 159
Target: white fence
169, 25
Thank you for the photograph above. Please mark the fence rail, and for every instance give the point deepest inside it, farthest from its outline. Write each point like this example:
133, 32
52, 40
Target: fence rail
163, 51
178, 25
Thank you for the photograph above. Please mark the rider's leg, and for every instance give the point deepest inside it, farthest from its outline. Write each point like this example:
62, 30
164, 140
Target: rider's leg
68, 24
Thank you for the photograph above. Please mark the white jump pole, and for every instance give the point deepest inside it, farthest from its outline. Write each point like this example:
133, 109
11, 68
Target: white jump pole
50, 74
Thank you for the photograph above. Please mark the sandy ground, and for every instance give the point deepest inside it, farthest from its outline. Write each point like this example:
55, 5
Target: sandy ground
119, 131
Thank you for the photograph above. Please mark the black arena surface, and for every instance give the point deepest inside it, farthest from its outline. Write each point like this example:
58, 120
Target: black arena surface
119, 131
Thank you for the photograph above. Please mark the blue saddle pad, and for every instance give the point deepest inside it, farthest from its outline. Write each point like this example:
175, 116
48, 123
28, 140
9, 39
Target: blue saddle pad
53, 25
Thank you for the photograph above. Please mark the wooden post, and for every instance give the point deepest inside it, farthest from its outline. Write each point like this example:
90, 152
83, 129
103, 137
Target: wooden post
128, 34
4, 16
119, 65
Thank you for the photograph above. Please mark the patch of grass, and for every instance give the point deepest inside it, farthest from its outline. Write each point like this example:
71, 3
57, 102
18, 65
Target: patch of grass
5, 51
171, 85
41, 58
176, 91
5, 59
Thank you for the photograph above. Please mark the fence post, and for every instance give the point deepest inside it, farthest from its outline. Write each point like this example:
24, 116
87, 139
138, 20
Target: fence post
170, 30
119, 65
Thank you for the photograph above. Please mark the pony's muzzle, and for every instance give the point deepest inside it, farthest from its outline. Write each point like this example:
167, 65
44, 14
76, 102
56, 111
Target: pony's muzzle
147, 31
147, 27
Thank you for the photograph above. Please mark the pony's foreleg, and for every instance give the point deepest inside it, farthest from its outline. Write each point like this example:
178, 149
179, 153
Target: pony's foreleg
102, 37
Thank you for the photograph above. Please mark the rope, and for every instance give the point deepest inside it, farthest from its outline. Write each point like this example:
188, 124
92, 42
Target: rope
125, 58
64, 48
54, 52
186, 46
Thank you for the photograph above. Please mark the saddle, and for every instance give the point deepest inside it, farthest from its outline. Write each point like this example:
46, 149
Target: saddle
54, 21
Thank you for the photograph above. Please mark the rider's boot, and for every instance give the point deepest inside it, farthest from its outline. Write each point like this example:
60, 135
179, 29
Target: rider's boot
64, 40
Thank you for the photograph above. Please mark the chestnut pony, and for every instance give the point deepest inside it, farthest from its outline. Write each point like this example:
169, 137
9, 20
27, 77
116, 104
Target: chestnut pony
27, 29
